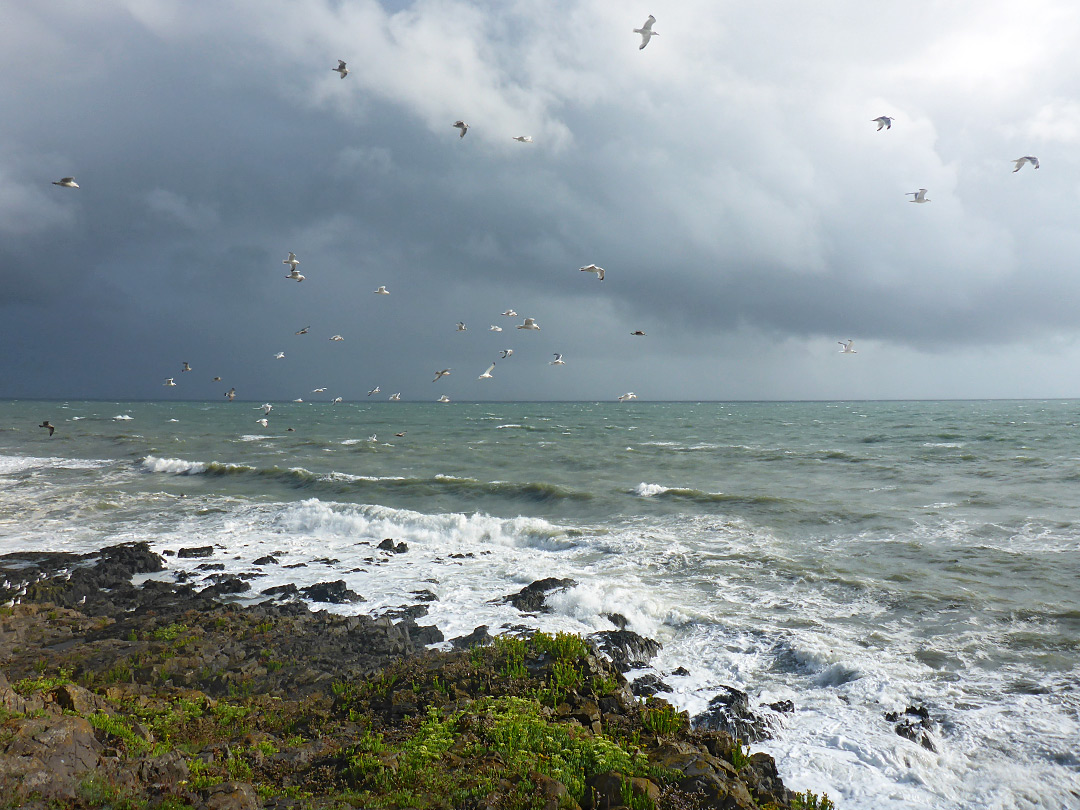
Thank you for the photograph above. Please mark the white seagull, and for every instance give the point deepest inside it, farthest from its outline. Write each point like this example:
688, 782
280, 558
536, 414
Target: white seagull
279, 356
336, 400
494, 328
267, 407
883, 121
510, 313
295, 275
440, 374
374, 437
298, 400
847, 347
303, 331
592, 268
262, 422
337, 338
558, 361
523, 138
487, 375
461, 327
344, 71
231, 394
169, 382
186, 366
66, 182
395, 397
462, 126
443, 398
506, 353
318, 390
292, 261
1034, 161
627, 396
374, 390
382, 291
920, 196
529, 324
646, 32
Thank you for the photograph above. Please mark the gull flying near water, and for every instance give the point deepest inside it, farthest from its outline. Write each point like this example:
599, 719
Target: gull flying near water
66, 182
558, 361
463, 127
506, 353
592, 268
344, 71
267, 407
48, 425
529, 324
382, 291
627, 396
523, 138
337, 400
920, 196
443, 398
374, 390
231, 394
262, 422
847, 347
440, 374
169, 382
883, 121
487, 375
646, 32
1034, 161
394, 398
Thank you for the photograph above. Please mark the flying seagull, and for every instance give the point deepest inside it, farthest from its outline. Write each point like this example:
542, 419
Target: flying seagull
487, 375
440, 374
523, 138
231, 394
506, 353
382, 291
303, 331
337, 338
344, 71
262, 422
627, 396
529, 324
169, 382
266, 408
510, 313
443, 398
292, 261
296, 275
48, 425
395, 398
66, 182
399, 435
592, 268
336, 400
374, 437
646, 32
847, 347
279, 356
494, 328
558, 361
461, 327
462, 126
639, 333
186, 367
920, 196
883, 121
1034, 161
318, 391
216, 379
374, 390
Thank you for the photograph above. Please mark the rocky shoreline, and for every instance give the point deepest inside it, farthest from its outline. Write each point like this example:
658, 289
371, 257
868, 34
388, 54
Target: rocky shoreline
168, 695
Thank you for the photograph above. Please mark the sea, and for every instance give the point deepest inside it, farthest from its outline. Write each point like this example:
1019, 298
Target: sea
855, 558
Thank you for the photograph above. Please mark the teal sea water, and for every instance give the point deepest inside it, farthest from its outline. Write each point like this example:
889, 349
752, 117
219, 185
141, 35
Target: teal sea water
854, 558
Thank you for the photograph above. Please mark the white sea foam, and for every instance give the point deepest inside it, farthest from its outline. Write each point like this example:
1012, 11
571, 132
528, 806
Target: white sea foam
14, 464
650, 490
123, 417
174, 466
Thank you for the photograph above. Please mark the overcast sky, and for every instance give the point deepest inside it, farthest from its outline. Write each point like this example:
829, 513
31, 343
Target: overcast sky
728, 177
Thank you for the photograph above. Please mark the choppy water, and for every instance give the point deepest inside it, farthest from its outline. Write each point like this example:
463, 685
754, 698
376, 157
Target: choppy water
854, 558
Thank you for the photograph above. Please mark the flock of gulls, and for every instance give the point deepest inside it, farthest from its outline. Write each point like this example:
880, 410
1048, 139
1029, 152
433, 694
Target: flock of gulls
884, 122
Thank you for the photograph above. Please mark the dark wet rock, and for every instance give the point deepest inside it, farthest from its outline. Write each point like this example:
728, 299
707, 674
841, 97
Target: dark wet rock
729, 710
617, 619
168, 553
210, 567
782, 706
407, 612
648, 685
479, 637
763, 779
913, 724
389, 545
269, 559
625, 648
680, 672
327, 560
421, 634
198, 551
424, 596
462, 556
530, 599
225, 585
295, 565
335, 593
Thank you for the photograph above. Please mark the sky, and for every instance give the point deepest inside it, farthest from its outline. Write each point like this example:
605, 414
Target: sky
728, 177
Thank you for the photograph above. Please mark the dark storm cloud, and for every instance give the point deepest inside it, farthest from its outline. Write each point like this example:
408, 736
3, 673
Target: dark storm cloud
732, 185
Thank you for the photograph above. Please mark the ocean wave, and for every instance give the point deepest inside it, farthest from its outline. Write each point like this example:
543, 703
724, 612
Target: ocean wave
123, 417
14, 464
517, 427
660, 492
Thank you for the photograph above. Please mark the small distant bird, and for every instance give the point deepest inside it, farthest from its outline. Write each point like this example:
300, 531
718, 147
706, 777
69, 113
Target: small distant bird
461, 327
510, 313
395, 398
337, 338
462, 126
487, 375
298, 400
232, 394
523, 138
336, 400
883, 121
267, 407
627, 396
318, 390
344, 71
443, 398
374, 437
558, 361
48, 426
279, 356
646, 32
399, 435
186, 366
847, 347
303, 331
374, 390
382, 291
169, 382
440, 374
506, 353
592, 268
920, 196
1034, 161
639, 333
216, 379
529, 324
292, 261
262, 422
494, 328
296, 275
66, 182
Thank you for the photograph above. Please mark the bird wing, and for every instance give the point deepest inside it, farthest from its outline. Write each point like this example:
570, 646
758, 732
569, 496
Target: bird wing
649, 23
490, 369
340, 64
